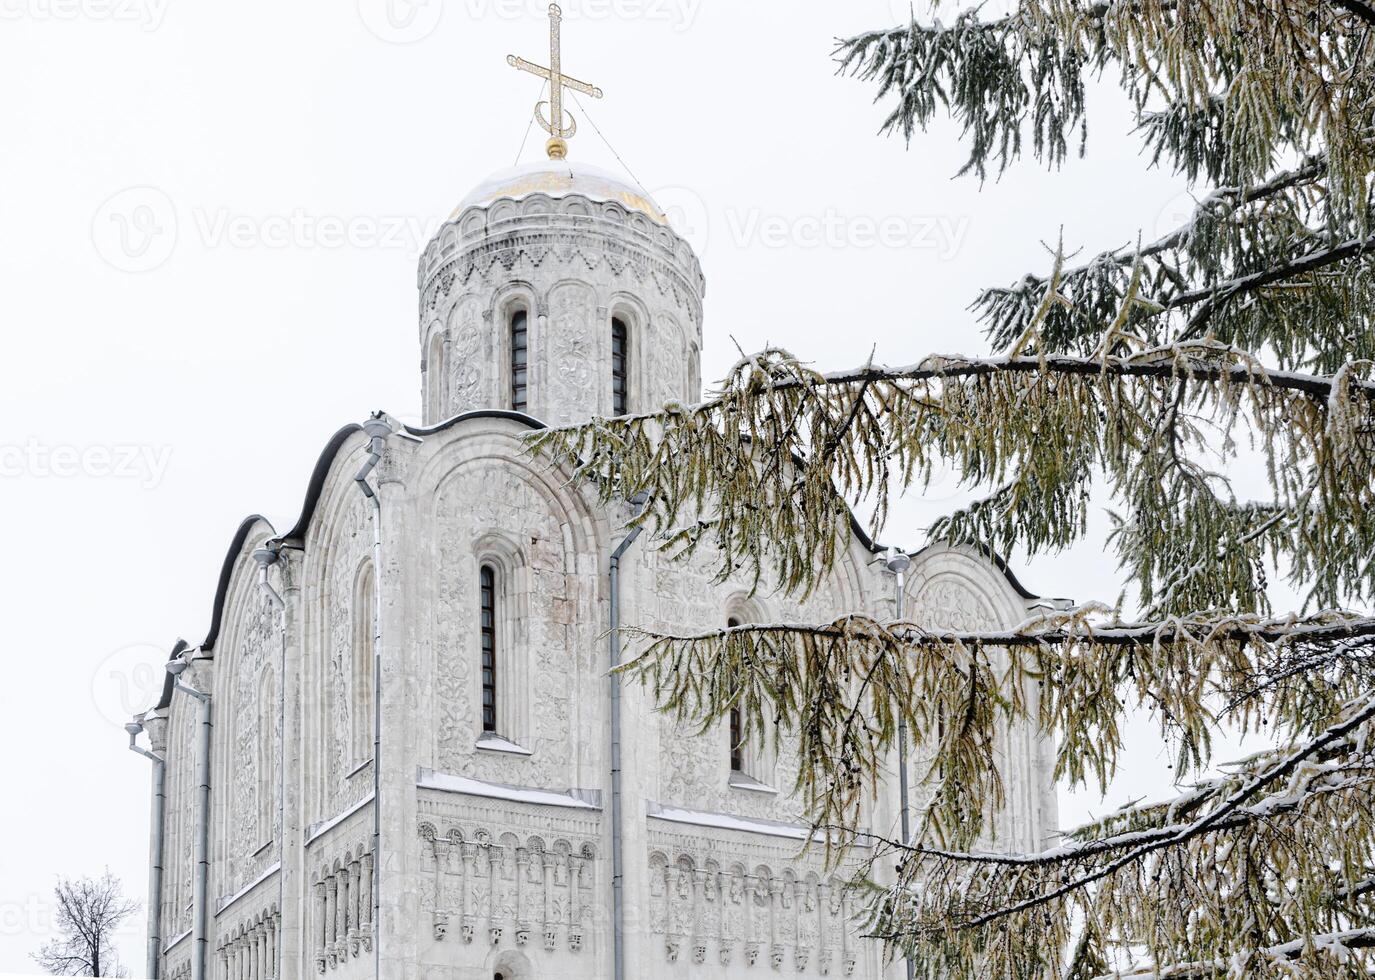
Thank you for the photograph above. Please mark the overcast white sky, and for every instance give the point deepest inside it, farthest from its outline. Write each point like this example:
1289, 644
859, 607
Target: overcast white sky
209, 220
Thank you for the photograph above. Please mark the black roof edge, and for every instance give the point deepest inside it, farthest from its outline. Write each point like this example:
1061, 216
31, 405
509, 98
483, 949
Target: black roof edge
314, 490
167, 679
297, 534
226, 573
483, 413
317, 481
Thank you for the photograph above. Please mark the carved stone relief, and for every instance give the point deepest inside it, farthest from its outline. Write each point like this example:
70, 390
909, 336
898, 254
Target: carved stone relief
504, 889
467, 365
784, 916
575, 364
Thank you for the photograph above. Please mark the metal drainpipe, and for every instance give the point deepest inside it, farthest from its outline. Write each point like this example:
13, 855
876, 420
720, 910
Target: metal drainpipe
617, 863
377, 430
898, 563
267, 556
159, 829
201, 883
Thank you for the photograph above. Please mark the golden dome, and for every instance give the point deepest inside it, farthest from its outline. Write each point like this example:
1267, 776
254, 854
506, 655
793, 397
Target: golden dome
559, 178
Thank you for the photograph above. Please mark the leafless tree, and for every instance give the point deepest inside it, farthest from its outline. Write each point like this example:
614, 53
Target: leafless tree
89, 913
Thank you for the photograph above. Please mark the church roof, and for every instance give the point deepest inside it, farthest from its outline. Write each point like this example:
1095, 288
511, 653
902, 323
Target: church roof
560, 178
296, 536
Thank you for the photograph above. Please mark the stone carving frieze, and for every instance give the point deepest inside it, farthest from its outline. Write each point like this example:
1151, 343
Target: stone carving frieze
497, 882
733, 903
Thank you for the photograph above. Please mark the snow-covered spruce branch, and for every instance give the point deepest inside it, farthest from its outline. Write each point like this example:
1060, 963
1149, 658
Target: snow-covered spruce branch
778, 453
1228, 629
1219, 202
1272, 265
841, 688
1182, 362
1216, 294
1017, 83
1333, 944
1340, 776
1280, 770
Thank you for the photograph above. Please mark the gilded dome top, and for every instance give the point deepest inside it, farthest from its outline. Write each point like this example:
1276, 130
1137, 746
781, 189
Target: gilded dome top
559, 178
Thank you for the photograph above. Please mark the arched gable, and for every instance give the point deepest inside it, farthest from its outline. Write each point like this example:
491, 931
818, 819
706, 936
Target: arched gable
338, 547
246, 660
962, 589
488, 503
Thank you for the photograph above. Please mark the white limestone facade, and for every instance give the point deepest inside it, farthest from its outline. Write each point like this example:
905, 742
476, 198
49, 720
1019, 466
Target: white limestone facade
494, 856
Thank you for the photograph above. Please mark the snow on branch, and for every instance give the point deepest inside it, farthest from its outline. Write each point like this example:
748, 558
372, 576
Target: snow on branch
764, 472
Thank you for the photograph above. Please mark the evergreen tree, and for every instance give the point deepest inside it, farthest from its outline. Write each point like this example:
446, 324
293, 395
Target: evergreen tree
1137, 374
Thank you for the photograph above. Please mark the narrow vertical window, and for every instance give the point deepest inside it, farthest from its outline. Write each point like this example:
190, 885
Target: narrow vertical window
520, 359
488, 589
434, 373
737, 728
620, 352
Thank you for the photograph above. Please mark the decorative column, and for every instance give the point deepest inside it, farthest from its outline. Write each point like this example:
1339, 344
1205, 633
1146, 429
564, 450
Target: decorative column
699, 908
467, 870
341, 913
272, 965
331, 918
321, 925
776, 952
575, 864
357, 902
522, 926
847, 955
493, 876
365, 884
548, 881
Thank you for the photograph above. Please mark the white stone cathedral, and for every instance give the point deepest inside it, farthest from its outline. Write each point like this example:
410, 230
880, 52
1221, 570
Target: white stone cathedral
555, 293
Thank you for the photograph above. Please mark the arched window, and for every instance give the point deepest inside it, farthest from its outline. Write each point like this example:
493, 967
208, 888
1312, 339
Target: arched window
520, 359
620, 361
752, 762
737, 727
364, 633
434, 374
488, 610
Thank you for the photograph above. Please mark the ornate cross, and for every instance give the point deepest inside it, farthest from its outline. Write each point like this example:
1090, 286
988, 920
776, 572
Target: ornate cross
554, 125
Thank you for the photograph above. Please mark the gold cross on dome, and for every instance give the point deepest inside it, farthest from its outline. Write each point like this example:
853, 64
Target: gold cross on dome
557, 147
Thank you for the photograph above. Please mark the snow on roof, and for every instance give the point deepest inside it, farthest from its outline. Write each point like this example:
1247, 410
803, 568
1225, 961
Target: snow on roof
576, 799
726, 821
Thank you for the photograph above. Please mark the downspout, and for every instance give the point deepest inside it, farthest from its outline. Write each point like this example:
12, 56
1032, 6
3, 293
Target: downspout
898, 563
201, 855
377, 430
159, 829
614, 678
267, 556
